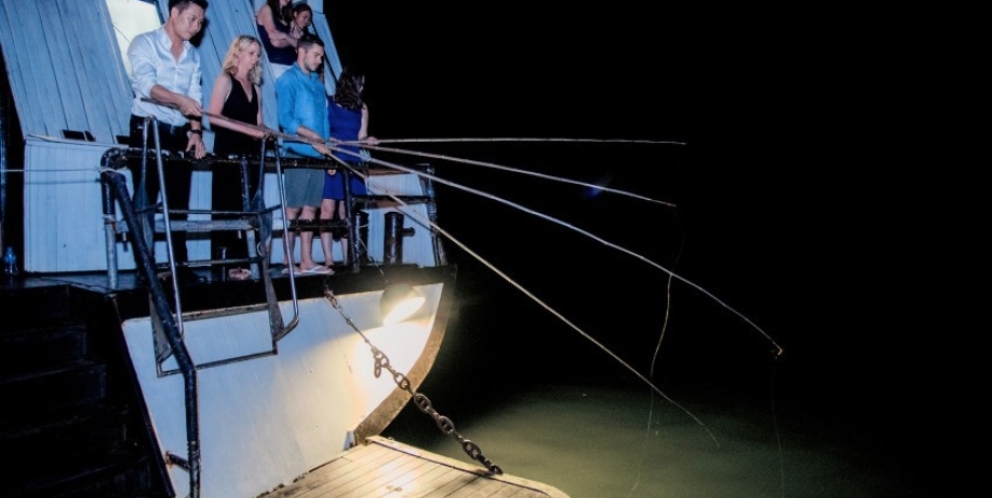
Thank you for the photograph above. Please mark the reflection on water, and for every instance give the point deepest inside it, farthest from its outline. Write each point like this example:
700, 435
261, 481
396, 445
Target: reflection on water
596, 442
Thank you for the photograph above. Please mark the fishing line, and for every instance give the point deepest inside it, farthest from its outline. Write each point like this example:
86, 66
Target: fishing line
778, 435
654, 358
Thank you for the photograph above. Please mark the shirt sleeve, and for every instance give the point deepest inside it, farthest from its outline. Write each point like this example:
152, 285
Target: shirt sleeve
143, 70
286, 104
196, 83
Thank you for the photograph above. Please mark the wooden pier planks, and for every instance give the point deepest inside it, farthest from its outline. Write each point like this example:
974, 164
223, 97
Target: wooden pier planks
387, 468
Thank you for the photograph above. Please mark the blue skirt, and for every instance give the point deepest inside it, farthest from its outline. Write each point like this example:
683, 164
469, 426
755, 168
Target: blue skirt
334, 185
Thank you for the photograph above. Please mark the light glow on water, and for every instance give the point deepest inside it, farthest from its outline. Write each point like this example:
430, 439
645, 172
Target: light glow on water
594, 442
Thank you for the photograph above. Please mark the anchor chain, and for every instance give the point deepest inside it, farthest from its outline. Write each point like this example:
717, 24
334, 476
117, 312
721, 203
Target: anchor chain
422, 402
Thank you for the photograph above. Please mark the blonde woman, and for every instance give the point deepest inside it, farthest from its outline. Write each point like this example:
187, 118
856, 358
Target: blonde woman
236, 95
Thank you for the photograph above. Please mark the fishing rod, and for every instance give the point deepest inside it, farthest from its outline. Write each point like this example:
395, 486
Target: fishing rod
530, 139
514, 170
334, 145
266, 131
779, 349
509, 279
421, 174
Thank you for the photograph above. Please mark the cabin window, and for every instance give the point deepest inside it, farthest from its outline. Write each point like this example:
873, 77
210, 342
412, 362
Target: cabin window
131, 18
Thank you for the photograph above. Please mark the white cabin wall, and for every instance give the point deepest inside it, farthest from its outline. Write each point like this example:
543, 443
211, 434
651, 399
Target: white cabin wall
63, 214
65, 68
63, 210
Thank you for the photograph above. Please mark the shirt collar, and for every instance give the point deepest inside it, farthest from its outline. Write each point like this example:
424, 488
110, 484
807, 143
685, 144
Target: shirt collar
297, 68
164, 39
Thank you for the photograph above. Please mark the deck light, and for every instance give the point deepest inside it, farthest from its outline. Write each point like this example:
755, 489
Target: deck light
398, 302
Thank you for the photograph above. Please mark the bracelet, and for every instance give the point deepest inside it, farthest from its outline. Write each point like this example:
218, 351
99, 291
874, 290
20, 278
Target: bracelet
190, 133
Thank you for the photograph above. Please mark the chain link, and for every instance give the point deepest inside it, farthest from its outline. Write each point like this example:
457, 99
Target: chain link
422, 402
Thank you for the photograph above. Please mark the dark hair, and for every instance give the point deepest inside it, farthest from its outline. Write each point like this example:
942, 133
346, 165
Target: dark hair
301, 7
281, 13
348, 91
307, 40
182, 4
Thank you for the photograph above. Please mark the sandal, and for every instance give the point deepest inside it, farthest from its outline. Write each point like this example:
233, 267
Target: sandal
318, 270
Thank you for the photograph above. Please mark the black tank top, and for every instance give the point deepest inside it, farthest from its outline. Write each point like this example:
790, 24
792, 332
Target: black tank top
237, 106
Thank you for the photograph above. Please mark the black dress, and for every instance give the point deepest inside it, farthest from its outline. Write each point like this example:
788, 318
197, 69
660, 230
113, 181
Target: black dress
227, 186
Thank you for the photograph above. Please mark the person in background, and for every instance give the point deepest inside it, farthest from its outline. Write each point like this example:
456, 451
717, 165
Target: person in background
166, 68
302, 105
301, 22
348, 121
236, 95
274, 20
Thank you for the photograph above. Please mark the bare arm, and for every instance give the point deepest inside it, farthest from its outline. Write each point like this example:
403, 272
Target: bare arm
258, 95
222, 89
268, 21
363, 132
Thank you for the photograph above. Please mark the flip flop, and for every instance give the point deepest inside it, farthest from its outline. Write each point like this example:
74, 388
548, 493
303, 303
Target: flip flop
239, 274
318, 270
295, 270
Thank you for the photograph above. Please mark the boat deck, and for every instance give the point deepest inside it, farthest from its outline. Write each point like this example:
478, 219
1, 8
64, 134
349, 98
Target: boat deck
383, 467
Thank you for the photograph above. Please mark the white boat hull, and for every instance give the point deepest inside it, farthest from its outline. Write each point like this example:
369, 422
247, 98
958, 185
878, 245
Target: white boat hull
267, 420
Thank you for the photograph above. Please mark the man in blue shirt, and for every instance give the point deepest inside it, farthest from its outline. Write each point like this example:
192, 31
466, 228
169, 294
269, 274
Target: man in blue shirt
302, 106
165, 67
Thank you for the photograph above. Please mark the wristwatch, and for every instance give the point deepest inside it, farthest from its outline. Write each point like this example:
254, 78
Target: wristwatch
190, 133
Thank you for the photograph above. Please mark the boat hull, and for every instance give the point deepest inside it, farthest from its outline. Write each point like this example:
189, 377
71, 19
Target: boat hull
269, 413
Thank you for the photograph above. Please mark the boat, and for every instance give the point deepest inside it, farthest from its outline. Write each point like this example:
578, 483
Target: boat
119, 380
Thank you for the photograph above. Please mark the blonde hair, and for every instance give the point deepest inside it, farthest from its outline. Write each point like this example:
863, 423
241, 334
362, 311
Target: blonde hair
240, 44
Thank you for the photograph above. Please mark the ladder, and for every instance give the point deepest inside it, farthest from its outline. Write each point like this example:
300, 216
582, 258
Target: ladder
146, 219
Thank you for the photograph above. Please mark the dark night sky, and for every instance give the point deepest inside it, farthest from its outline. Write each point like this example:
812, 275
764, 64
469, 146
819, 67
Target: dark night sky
790, 207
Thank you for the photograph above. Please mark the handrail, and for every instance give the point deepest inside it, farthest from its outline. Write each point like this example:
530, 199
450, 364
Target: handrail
172, 323
115, 180
285, 241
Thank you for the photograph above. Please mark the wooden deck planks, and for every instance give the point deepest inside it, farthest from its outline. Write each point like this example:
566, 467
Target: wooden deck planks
386, 468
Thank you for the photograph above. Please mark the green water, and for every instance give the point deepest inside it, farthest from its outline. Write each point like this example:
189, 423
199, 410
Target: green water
616, 441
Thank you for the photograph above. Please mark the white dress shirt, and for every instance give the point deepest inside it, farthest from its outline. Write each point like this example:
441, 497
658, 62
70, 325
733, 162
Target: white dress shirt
152, 64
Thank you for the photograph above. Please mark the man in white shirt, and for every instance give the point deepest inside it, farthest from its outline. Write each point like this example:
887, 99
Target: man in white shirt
166, 68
